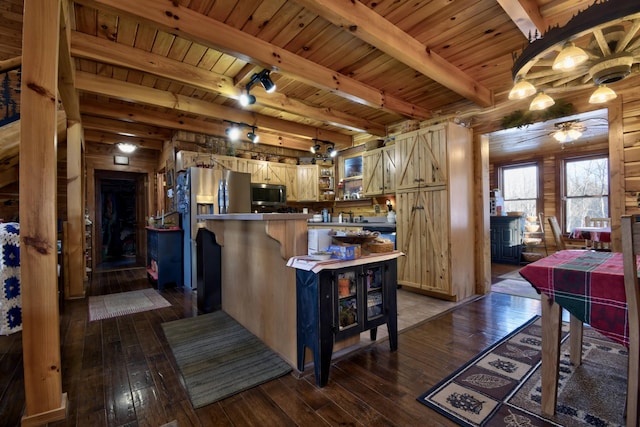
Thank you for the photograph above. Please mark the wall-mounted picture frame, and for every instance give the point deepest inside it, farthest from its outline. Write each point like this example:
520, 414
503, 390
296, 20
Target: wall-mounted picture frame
120, 160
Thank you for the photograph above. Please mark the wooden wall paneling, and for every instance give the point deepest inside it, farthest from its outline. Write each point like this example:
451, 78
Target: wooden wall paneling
38, 238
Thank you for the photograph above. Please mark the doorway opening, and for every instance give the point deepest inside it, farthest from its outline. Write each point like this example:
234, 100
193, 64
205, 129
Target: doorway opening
120, 201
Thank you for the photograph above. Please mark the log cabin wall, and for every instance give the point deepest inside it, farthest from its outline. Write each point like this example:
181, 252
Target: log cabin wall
631, 157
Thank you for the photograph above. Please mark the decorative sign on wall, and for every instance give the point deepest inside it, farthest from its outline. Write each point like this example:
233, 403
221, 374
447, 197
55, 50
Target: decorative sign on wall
120, 160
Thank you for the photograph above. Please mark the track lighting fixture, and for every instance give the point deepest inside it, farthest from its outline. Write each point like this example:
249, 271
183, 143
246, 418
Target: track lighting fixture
252, 135
234, 132
264, 77
330, 152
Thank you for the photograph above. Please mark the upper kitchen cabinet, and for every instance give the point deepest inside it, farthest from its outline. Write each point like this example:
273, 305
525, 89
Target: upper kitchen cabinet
379, 171
308, 189
264, 172
435, 211
422, 156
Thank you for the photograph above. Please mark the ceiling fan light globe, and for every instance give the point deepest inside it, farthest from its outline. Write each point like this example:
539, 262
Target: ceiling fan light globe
541, 101
574, 134
560, 136
521, 90
602, 94
569, 57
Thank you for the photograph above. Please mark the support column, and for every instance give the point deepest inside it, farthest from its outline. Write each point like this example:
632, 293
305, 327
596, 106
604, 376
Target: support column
45, 401
75, 213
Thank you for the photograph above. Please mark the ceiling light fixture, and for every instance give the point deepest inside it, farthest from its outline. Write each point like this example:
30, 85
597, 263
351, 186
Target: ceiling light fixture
541, 101
264, 77
568, 131
330, 150
126, 147
596, 47
234, 131
601, 95
252, 136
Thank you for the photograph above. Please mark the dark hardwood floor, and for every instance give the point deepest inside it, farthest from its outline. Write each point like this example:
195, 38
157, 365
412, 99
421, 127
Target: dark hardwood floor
120, 372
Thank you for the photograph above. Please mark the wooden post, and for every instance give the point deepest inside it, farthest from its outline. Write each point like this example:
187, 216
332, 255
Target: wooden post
75, 215
45, 401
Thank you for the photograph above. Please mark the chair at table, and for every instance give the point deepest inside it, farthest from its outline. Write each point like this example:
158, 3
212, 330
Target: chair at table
558, 237
597, 222
630, 230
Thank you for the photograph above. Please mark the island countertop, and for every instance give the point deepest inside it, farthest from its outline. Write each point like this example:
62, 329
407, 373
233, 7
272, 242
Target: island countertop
255, 216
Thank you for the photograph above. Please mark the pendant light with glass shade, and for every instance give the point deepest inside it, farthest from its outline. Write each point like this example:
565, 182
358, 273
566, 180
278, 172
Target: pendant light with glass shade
597, 47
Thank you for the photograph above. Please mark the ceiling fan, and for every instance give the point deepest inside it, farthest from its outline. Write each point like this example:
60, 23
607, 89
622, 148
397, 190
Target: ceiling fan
567, 130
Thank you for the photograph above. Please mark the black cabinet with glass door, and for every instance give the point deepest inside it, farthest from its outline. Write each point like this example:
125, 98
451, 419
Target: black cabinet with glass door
337, 303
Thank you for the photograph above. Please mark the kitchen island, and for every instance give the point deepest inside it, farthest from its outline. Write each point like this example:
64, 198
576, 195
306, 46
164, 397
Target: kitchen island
258, 289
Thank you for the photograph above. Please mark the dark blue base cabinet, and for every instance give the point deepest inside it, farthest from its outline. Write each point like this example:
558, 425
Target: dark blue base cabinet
164, 256
336, 303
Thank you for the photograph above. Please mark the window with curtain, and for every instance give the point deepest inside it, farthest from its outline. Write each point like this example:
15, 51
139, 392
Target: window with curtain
585, 190
520, 188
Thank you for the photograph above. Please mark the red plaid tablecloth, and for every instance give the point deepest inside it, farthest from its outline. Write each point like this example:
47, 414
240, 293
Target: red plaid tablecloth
590, 285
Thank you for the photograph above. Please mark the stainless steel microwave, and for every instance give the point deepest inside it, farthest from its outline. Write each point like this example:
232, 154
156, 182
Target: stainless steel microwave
268, 194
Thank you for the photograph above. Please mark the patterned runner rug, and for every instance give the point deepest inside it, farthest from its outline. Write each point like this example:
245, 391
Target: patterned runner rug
501, 386
113, 305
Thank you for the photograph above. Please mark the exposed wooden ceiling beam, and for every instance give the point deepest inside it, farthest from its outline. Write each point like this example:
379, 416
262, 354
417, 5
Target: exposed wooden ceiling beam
66, 67
124, 128
159, 98
102, 50
367, 25
176, 19
179, 122
104, 137
526, 15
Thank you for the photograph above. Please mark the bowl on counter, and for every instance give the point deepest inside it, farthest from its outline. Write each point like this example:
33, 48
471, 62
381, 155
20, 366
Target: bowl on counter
316, 218
532, 228
320, 255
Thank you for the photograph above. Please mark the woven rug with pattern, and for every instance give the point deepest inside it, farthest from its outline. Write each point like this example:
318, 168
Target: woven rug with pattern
501, 386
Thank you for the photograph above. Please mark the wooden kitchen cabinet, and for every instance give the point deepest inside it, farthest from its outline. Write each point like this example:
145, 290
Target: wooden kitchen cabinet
264, 172
308, 189
291, 182
434, 216
379, 171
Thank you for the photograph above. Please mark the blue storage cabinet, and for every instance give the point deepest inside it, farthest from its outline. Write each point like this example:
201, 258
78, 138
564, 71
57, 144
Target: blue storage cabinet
164, 256
506, 239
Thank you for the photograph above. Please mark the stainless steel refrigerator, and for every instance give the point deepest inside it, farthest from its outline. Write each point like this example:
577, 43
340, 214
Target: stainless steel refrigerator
197, 194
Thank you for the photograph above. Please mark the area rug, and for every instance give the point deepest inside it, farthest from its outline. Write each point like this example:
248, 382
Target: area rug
113, 305
520, 288
218, 357
501, 386
514, 274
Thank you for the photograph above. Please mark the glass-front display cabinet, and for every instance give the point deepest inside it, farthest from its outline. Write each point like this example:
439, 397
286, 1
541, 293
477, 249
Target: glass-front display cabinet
336, 303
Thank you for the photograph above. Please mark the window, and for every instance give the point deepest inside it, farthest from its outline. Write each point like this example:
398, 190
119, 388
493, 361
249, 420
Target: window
585, 190
520, 188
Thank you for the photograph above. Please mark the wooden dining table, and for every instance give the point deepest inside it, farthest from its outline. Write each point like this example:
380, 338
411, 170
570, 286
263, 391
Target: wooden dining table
590, 286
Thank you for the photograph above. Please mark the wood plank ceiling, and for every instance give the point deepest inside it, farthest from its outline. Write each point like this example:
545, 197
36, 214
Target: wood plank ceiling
346, 71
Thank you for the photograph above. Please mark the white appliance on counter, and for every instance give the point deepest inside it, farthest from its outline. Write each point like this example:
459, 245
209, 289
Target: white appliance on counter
319, 239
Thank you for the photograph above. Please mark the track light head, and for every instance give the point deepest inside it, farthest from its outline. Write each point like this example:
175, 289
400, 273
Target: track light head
315, 148
246, 98
265, 80
253, 137
332, 152
233, 132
